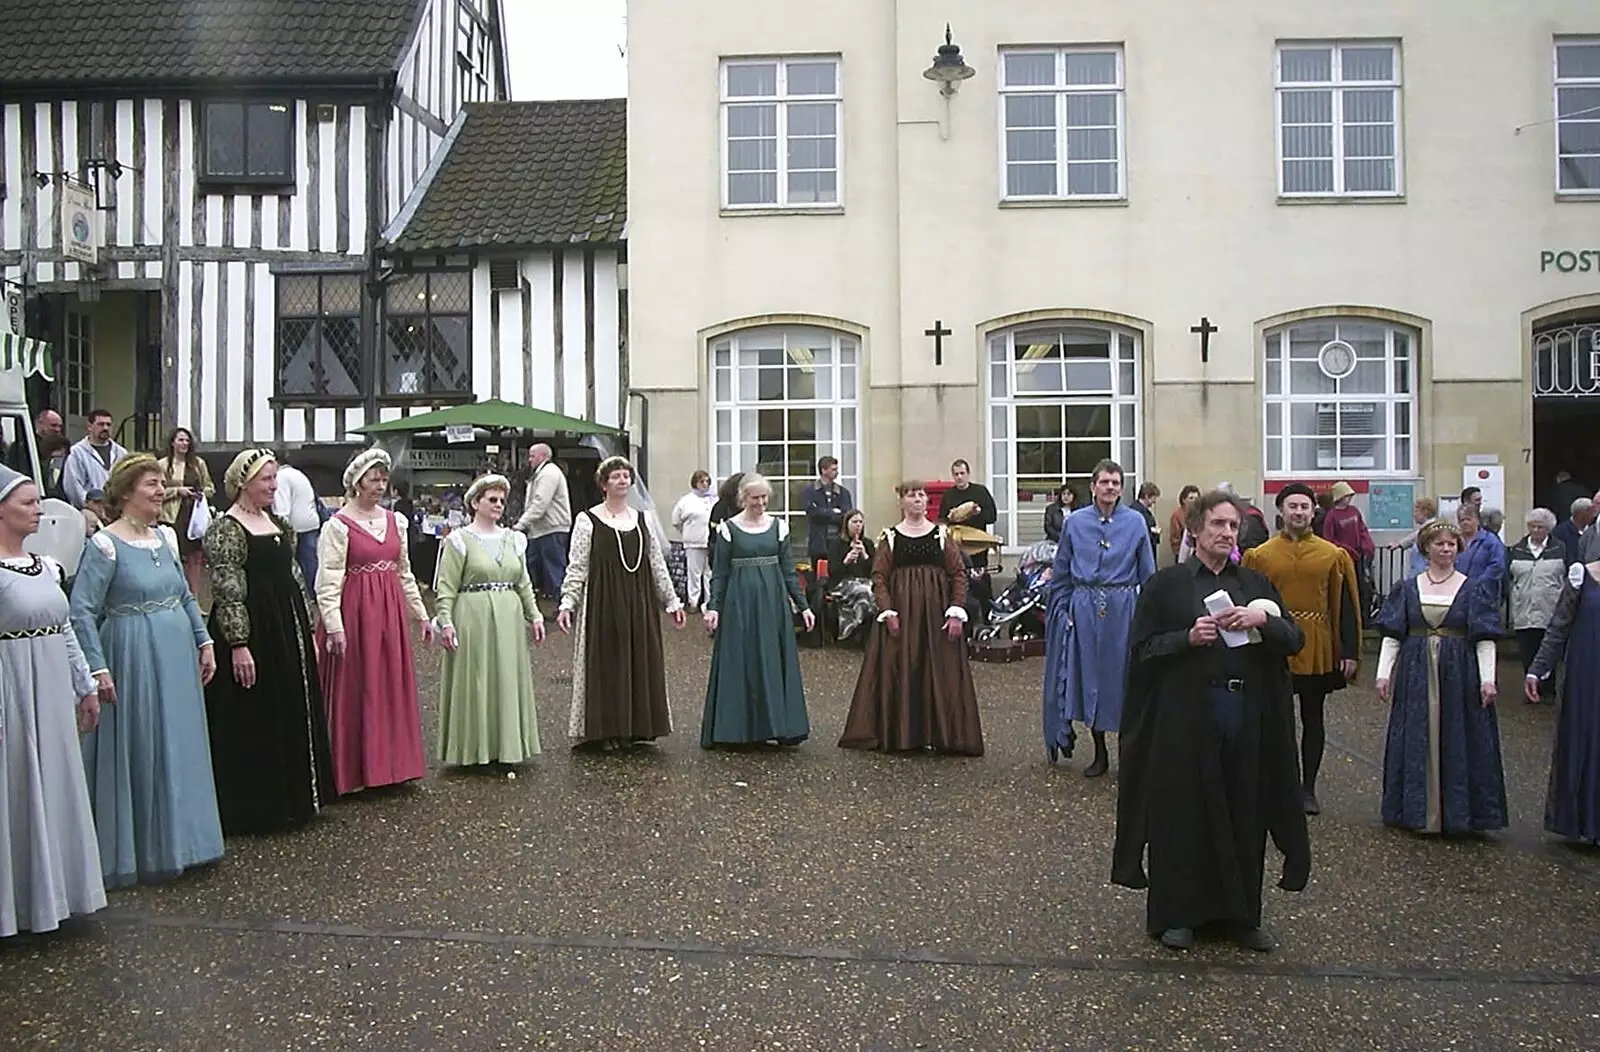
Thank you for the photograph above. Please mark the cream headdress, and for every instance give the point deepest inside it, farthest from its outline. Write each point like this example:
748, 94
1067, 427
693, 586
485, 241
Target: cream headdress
246, 466
363, 462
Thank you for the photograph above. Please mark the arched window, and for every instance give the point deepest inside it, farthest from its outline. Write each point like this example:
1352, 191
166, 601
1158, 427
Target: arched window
1062, 396
1340, 398
782, 397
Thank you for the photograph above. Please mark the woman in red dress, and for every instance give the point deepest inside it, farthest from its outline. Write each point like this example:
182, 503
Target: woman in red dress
366, 594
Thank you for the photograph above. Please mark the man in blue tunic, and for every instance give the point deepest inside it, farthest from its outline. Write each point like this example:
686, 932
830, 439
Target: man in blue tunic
1103, 558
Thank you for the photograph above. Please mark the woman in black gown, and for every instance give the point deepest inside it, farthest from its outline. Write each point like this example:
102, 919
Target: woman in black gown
269, 733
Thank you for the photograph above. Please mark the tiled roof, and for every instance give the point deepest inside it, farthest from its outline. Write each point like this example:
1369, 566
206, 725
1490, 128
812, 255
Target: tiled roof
100, 41
526, 174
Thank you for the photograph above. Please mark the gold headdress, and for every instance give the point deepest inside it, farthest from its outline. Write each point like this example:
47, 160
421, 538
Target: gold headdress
246, 466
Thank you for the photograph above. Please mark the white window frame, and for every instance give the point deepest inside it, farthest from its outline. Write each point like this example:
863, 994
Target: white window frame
781, 101
845, 411
77, 374
1571, 82
1122, 394
1337, 87
1391, 397
1061, 90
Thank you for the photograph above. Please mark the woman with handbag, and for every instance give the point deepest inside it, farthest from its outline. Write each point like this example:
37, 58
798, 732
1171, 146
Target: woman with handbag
187, 506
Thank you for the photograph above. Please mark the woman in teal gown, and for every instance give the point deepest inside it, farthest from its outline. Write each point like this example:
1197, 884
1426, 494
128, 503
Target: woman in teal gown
754, 693
148, 763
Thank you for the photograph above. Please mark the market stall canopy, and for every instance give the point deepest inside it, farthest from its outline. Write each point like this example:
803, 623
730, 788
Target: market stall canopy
490, 414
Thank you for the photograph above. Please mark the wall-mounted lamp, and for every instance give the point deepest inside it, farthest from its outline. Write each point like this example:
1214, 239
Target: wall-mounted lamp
949, 69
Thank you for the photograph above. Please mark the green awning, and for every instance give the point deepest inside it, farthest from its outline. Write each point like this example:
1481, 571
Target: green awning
490, 414
33, 357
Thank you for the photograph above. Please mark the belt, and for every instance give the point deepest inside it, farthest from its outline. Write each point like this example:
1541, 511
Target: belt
33, 633
488, 586
1448, 633
755, 560
381, 566
133, 609
1232, 686
1309, 615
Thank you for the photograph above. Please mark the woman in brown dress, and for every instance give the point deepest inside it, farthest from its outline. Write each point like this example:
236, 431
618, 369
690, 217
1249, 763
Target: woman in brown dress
616, 582
915, 688
188, 483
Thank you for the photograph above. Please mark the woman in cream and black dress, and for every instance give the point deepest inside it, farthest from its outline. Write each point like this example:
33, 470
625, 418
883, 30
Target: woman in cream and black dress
49, 857
485, 615
616, 584
269, 734
915, 689
188, 483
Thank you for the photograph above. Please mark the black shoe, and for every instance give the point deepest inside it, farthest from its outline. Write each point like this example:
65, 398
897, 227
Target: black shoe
1101, 764
1178, 938
1312, 804
1252, 939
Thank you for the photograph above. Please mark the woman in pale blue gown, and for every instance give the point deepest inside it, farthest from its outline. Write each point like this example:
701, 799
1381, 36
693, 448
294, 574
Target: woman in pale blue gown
148, 763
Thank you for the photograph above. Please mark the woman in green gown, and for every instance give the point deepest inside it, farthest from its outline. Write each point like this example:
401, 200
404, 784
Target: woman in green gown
485, 603
754, 694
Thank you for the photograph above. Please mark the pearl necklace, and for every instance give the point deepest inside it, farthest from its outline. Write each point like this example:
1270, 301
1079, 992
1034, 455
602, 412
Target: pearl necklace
622, 553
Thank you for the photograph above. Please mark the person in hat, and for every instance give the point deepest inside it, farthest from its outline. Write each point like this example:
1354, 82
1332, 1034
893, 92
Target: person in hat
368, 598
269, 730
1344, 526
1318, 584
49, 855
1102, 560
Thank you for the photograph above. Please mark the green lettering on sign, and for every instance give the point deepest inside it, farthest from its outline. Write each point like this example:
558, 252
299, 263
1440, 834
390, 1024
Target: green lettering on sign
31, 356
1569, 260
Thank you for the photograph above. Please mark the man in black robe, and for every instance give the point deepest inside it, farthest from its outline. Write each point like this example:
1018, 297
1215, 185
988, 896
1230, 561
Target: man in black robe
1208, 766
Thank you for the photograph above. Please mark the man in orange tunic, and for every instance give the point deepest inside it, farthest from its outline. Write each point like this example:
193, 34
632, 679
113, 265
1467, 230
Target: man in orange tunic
1317, 581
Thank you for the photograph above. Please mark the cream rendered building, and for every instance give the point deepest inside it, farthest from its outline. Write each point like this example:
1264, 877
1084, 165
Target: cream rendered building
1366, 200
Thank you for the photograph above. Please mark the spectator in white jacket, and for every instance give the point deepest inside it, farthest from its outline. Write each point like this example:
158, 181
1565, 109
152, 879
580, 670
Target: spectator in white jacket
90, 459
295, 502
547, 521
691, 517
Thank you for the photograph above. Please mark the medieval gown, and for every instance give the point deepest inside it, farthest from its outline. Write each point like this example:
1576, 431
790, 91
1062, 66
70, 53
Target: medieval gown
49, 857
616, 586
148, 763
1441, 761
270, 740
754, 693
365, 590
1203, 804
486, 704
915, 689
1094, 584
1572, 804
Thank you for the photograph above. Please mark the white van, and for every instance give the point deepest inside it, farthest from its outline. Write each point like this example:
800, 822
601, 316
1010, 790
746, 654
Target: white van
61, 531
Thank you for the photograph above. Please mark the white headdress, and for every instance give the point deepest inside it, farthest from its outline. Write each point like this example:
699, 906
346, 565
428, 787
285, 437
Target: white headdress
10, 480
363, 462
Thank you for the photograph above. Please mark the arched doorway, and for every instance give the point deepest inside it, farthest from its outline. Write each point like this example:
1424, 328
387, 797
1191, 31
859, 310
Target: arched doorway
1566, 407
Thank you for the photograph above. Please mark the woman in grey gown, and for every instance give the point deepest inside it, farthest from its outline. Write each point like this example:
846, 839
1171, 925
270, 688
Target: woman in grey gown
49, 857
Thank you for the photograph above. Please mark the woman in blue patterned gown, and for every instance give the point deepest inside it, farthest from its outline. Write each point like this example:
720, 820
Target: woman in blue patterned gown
1441, 766
148, 763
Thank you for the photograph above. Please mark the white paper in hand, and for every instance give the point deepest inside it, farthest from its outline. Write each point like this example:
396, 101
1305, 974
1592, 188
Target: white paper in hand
1218, 602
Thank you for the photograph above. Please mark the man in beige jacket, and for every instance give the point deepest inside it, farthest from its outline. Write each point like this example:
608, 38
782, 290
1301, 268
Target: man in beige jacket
547, 520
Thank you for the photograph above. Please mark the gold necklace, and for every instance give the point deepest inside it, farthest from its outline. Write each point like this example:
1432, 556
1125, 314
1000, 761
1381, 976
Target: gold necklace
1431, 581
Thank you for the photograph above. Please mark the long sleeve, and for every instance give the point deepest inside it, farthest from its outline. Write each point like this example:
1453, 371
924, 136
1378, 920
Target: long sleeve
1556, 635
577, 578
95, 573
1364, 538
1343, 584
541, 491
1487, 660
74, 478
1061, 574
206, 485
1388, 653
332, 548
226, 548
666, 591
1147, 558
955, 571
524, 584
882, 567
987, 514
791, 580
82, 675
408, 580
721, 565
447, 582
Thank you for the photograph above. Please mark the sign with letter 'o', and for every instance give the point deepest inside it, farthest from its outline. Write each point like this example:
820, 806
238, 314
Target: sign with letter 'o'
80, 224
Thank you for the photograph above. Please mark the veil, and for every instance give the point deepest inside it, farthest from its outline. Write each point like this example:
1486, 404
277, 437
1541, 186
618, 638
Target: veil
639, 494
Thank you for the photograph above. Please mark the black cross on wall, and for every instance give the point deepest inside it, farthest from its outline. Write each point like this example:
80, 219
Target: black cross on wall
938, 332
1204, 331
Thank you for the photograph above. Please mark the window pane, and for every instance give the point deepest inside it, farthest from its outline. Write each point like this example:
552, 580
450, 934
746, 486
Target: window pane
997, 381
1402, 418
1274, 377
1578, 102
1402, 454
1126, 378
752, 188
1369, 107
1274, 418
1581, 137
1040, 458
761, 79
1088, 111
1030, 111
1088, 421
1083, 456
812, 153
1368, 176
450, 293
1097, 67
1307, 107
341, 294
1306, 65
1030, 180
1308, 378
1087, 179
1275, 454
1037, 145
1126, 413
1578, 60
224, 132
1039, 421
267, 146
752, 155
1099, 144
1369, 378
297, 296
1023, 70
813, 118
1308, 177
813, 187
997, 422
811, 78
1580, 173
1366, 63
752, 121
1307, 141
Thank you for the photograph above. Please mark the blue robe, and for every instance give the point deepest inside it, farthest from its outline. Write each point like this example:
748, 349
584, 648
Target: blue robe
1471, 789
1484, 559
1100, 565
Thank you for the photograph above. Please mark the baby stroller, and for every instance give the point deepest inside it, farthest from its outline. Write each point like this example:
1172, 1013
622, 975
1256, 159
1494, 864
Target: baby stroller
1018, 612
